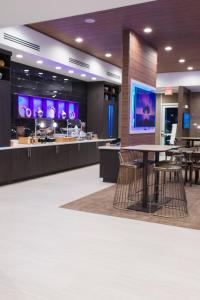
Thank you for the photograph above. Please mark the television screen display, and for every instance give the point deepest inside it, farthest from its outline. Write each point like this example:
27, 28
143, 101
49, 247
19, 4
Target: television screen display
142, 108
186, 120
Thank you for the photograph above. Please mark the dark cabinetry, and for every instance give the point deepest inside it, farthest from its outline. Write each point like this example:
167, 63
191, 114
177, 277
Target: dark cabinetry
20, 163
109, 165
23, 163
5, 98
5, 166
102, 109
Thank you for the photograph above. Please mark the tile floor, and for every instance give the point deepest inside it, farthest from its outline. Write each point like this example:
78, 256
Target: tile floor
49, 253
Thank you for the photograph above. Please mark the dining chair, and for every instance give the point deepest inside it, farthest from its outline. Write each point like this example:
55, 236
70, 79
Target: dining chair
195, 165
129, 183
169, 192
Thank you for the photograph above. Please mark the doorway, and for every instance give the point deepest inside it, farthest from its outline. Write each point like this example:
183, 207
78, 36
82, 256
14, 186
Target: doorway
168, 118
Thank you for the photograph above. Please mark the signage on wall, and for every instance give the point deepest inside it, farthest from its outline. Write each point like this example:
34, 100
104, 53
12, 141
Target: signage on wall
142, 108
34, 107
168, 91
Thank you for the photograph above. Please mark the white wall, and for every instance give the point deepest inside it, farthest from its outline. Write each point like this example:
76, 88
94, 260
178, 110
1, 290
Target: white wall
20, 12
55, 53
190, 79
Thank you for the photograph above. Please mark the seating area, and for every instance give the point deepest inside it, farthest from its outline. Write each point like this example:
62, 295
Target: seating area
156, 187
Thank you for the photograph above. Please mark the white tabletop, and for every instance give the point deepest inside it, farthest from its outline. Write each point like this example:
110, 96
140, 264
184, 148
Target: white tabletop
189, 138
150, 148
111, 147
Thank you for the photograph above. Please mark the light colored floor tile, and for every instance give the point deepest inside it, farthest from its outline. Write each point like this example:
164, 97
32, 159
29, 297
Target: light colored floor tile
50, 253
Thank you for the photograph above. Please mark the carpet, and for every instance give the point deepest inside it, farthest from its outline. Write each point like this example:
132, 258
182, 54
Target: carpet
102, 203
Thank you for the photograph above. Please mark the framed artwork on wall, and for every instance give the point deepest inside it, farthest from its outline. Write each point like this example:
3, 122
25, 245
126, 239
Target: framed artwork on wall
142, 108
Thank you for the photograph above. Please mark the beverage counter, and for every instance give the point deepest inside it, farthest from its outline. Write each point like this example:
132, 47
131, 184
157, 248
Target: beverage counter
25, 161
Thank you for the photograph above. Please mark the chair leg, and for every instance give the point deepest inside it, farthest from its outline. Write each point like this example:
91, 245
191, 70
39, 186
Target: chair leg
186, 175
196, 176
191, 172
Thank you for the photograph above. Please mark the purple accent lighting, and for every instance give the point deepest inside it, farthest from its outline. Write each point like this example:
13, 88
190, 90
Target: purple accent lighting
28, 107
23, 104
36, 106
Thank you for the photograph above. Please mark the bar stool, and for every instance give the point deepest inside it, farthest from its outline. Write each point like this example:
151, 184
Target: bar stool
129, 183
169, 192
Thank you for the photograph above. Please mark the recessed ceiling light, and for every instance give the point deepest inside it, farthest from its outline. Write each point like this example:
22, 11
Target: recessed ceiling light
58, 68
66, 79
54, 76
54, 96
147, 30
40, 73
26, 70
71, 71
108, 55
19, 55
168, 48
79, 40
93, 78
90, 21
39, 62
190, 68
55, 91
181, 60
83, 75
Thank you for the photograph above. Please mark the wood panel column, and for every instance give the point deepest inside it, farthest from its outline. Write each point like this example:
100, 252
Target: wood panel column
139, 63
183, 106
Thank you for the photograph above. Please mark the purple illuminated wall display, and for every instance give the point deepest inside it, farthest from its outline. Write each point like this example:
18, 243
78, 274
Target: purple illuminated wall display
31, 107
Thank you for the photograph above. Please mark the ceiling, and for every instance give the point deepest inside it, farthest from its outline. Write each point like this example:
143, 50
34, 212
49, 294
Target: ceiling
20, 12
174, 22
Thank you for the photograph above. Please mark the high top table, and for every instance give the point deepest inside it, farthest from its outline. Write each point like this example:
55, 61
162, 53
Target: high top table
190, 140
145, 149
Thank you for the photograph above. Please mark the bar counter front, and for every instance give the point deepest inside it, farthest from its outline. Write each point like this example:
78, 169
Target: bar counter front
23, 162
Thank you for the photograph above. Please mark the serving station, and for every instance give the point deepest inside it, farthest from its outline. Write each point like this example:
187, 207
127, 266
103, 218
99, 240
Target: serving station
27, 161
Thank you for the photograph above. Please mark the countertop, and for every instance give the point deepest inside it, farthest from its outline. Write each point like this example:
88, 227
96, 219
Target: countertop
18, 146
110, 148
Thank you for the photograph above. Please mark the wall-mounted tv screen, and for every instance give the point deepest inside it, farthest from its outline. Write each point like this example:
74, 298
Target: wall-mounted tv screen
142, 108
186, 120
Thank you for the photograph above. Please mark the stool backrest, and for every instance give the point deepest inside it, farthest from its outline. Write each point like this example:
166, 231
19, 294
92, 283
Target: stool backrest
196, 157
128, 156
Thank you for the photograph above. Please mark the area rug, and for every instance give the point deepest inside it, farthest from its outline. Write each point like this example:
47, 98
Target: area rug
102, 203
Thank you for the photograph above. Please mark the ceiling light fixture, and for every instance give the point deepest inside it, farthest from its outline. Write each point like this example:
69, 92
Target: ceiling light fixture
66, 79
108, 55
181, 60
90, 21
40, 73
54, 76
190, 68
168, 48
71, 71
26, 70
58, 68
93, 78
147, 30
55, 91
83, 75
19, 55
79, 40
39, 62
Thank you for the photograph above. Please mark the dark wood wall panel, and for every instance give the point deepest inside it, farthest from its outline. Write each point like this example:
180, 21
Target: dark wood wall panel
139, 63
183, 99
